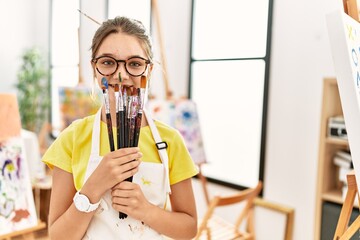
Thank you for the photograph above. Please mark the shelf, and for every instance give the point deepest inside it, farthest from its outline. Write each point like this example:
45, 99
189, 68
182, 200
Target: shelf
328, 185
337, 141
335, 196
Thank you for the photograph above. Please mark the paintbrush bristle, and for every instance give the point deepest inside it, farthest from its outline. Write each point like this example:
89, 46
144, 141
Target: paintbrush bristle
105, 82
134, 91
128, 91
120, 78
143, 82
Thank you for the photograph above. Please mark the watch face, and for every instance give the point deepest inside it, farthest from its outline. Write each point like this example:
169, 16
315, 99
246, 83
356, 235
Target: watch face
81, 202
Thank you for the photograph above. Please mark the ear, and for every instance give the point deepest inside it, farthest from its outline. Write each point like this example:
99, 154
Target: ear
149, 71
93, 68
151, 67
92, 63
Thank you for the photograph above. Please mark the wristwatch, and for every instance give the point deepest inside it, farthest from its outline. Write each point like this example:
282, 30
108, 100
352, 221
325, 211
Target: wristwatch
82, 203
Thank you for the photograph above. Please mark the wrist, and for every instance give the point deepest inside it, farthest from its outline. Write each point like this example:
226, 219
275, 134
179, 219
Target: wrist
149, 214
93, 195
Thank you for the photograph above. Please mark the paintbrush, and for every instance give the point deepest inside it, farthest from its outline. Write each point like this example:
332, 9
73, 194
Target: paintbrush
130, 118
126, 109
141, 94
89, 17
105, 89
117, 110
128, 100
121, 117
130, 126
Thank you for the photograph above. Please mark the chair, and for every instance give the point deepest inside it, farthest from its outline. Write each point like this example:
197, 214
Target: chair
213, 227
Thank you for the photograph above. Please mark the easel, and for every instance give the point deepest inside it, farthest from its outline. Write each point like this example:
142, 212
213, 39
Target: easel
165, 75
11, 129
342, 230
350, 8
168, 92
27, 234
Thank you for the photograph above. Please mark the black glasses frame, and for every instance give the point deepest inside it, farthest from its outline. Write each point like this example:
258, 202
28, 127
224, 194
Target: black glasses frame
147, 62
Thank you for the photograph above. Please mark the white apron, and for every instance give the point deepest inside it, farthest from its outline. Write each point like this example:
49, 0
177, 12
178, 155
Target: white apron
153, 178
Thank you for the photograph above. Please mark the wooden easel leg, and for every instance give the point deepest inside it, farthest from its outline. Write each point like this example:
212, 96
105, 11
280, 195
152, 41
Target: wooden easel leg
351, 230
350, 8
204, 185
346, 211
28, 236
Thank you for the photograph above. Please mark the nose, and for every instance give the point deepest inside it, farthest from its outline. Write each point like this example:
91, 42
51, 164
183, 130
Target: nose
121, 69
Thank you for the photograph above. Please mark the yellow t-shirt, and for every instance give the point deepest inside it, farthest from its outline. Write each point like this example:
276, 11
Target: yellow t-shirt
71, 150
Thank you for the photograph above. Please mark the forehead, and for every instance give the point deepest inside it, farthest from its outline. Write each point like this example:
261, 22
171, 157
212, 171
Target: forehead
121, 45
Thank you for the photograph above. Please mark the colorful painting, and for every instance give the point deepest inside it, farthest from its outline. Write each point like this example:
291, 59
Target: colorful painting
182, 115
17, 208
75, 103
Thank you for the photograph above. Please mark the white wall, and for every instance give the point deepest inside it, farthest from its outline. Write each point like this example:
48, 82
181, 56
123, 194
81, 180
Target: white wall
300, 59
23, 24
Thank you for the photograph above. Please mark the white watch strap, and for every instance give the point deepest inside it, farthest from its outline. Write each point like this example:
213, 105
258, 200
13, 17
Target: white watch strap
92, 207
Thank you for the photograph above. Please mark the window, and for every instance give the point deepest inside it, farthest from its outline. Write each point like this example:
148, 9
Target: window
229, 74
64, 48
65, 41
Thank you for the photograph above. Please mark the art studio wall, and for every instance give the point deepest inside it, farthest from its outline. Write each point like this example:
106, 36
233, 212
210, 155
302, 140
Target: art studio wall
300, 59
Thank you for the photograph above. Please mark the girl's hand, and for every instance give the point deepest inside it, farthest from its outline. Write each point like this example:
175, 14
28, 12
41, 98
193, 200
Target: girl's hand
114, 168
127, 197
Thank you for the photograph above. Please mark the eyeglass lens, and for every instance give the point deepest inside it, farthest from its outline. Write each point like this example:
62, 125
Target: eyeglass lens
134, 66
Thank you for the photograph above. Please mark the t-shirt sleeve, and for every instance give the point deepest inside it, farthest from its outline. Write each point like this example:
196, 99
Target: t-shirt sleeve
181, 166
59, 154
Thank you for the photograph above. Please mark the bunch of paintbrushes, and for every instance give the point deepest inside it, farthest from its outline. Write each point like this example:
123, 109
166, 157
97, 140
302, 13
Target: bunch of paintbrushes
129, 111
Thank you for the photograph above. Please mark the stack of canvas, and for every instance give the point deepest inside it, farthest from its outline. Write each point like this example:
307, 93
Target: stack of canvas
343, 160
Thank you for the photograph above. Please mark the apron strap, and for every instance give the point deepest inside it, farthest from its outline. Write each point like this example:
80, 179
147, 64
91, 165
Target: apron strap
161, 147
95, 145
95, 139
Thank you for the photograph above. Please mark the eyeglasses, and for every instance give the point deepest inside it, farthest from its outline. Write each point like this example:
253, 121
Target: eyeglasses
135, 66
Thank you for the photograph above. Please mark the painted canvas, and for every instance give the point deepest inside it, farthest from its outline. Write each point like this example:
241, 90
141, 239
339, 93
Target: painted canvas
344, 35
17, 208
182, 115
75, 103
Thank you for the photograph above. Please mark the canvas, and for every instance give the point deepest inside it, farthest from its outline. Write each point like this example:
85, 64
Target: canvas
182, 115
17, 208
75, 103
344, 35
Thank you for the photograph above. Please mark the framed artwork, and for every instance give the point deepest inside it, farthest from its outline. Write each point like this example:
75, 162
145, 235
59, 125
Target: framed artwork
17, 207
181, 114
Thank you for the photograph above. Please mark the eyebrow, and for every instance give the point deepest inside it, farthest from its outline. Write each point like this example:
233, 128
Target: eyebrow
113, 56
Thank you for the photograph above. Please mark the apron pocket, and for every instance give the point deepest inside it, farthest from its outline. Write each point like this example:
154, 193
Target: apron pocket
151, 179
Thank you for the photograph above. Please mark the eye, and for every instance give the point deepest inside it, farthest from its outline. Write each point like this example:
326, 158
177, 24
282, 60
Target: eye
107, 62
136, 63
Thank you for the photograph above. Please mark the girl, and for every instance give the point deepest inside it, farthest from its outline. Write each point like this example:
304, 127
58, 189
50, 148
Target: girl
89, 190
